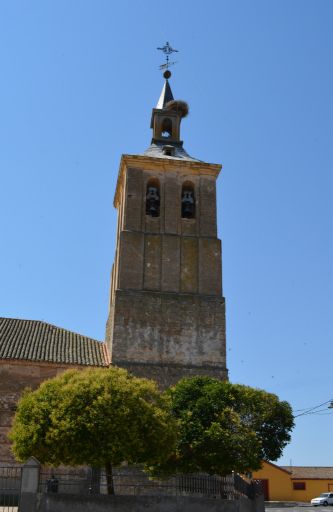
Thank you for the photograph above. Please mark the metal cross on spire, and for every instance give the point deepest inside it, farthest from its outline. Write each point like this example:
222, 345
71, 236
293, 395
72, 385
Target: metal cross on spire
167, 50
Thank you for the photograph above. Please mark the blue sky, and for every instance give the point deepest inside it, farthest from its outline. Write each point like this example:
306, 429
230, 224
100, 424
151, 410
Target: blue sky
78, 81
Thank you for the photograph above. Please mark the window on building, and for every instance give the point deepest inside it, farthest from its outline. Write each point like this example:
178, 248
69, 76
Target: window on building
168, 150
188, 200
153, 198
299, 486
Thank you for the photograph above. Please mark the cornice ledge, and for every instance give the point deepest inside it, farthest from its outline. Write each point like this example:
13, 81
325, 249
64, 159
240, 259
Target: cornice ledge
161, 164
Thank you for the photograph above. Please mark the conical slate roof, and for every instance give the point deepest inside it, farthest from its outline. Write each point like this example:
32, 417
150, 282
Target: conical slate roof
166, 95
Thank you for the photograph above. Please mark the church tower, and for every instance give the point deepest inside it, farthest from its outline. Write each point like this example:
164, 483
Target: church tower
167, 312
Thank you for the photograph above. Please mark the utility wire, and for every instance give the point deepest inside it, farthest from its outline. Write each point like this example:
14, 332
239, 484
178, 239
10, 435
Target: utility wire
323, 413
313, 410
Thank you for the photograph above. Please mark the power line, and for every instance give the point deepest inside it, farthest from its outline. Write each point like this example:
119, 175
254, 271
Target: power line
314, 410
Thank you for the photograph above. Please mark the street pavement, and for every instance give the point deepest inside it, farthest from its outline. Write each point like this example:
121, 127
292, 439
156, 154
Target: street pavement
298, 508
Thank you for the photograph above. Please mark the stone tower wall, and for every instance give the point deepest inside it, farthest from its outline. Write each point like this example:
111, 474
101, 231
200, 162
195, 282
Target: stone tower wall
167, 313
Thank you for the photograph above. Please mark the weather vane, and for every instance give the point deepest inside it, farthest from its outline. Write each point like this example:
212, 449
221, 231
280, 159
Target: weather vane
167, 50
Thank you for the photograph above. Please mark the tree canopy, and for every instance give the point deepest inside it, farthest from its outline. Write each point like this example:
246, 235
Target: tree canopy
225, 427
96, 417
102, 417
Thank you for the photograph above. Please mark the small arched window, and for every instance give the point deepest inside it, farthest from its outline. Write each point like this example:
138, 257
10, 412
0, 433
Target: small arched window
153, 198
166, 128
188, 200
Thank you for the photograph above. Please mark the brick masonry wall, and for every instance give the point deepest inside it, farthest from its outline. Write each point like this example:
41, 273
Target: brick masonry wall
167, 375
169, 263
167, 312
15, 376
132, 205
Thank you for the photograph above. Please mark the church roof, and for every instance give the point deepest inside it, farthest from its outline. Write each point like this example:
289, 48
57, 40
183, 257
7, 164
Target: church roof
156, 150
34, 340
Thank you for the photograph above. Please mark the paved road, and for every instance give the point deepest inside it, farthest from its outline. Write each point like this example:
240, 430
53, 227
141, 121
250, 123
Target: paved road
300, 508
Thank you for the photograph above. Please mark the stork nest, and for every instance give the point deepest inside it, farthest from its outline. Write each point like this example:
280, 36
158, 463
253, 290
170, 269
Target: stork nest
179, 106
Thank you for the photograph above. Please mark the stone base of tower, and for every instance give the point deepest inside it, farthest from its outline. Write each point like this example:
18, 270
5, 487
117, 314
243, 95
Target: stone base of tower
166, 336
168, 375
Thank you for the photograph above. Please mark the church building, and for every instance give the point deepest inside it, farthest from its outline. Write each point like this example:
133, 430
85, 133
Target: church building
167, 313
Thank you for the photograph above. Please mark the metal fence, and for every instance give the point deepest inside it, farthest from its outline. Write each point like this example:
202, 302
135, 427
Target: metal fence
133, 481
10, 484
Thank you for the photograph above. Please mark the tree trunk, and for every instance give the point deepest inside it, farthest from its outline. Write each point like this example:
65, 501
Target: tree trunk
109, 478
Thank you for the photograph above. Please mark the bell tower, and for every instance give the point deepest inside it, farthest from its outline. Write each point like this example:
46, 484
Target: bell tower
167, 312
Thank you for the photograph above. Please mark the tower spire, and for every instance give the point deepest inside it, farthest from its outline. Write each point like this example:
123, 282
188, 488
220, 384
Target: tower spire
167, 312
167, 116
166, 94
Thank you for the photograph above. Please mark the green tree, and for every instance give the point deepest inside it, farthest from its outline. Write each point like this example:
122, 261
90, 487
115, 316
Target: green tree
225, 427
99, 417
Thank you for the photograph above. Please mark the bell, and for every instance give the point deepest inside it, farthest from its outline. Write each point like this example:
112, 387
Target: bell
188, 205
152, 202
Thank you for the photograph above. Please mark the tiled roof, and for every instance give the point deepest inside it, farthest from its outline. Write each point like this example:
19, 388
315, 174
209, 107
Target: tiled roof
279, 468
311, 472
33, 340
